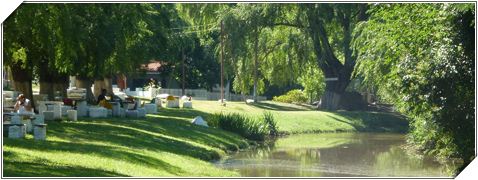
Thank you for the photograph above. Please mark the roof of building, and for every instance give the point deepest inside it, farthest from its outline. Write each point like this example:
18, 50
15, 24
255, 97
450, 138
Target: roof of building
151, 66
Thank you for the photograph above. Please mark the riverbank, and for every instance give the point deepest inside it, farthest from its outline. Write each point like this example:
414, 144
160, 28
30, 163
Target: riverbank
166, 144
336, 154
297, 119
153, 146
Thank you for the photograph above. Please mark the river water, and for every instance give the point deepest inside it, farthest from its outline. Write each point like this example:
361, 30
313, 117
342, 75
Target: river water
335, 154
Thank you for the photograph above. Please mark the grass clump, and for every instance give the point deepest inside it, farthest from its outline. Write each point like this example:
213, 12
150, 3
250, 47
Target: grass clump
245, 126
271, 123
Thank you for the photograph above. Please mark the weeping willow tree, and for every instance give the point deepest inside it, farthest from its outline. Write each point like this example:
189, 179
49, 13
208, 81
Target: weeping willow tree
248, 49
326, 30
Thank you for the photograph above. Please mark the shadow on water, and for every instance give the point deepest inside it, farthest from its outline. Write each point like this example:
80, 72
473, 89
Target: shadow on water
335, 154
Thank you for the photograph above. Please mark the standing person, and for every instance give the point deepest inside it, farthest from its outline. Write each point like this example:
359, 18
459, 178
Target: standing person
23, 105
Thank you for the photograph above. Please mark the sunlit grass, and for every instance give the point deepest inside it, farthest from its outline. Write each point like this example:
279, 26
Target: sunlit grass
153, 146
167, 144
292, 119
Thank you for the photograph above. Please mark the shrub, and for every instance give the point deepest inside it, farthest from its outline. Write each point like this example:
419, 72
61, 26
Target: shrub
293, 96
252, 129
271, 124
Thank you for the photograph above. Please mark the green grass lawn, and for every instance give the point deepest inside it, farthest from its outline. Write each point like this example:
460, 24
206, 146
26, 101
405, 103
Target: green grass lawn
153, 146
293, 119
166, 144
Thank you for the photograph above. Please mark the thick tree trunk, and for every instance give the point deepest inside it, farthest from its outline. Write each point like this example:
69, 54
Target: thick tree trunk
99, 85
10, 84
108, 82
337, 74
61, 86
82, 82
46, 88
51, 81
46, 80
333, 93
22, 81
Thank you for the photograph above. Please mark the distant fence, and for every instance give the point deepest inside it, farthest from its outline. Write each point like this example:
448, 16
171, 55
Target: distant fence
199, 94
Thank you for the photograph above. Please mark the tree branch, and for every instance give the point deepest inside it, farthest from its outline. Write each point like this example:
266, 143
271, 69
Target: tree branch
328, 50
288, 24
270, 50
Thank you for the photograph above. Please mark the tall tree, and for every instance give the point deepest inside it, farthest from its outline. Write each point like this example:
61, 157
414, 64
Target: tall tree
334, 58
91, 41
420, 57
329, 27
20, 40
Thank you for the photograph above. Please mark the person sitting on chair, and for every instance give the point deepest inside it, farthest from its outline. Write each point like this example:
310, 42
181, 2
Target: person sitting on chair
23, 105
102, 100
130, 100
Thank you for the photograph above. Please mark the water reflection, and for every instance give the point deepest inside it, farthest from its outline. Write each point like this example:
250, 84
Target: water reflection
344, 154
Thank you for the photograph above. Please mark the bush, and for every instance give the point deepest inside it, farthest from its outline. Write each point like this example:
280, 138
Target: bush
245, 126
271, 124
293, 96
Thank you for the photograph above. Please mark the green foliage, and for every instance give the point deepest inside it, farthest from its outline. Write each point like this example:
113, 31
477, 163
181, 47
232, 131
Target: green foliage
420, 57
313, 82
271, 123
293, 96
253, 129
240, 124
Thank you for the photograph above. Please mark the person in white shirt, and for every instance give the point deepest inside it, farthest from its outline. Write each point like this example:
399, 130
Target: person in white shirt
23, 105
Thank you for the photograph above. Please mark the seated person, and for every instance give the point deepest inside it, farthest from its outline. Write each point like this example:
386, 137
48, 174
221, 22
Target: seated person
130, 100
102, 100
23, 105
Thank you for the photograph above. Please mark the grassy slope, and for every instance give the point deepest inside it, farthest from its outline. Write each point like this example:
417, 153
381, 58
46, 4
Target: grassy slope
293, 119
154, 146
165, 144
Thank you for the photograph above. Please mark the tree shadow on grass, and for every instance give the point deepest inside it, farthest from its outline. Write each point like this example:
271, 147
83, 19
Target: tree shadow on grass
278, 107
91, 149
40, 169
373, 121
182, 113
177, 123
129, 136
185, 130
170, 122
